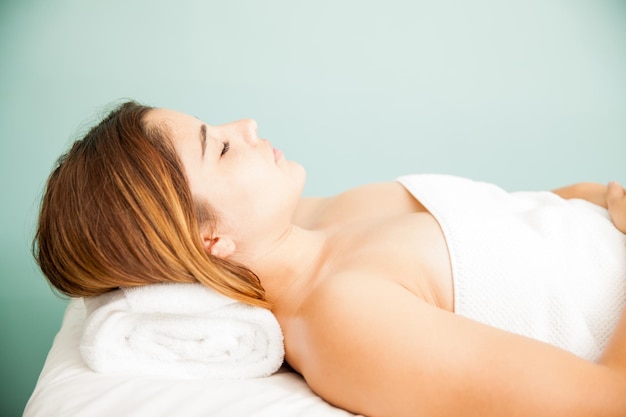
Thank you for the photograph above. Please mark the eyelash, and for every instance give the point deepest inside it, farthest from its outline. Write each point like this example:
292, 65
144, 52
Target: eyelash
226, 148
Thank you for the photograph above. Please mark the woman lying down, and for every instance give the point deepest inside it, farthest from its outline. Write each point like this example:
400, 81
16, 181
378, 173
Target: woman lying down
431, 295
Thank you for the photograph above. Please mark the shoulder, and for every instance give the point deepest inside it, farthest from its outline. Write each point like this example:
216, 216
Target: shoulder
337, 308
347, 326
346, 292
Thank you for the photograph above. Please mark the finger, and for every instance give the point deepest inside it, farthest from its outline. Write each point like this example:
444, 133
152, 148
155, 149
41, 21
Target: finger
615, 192
616, 201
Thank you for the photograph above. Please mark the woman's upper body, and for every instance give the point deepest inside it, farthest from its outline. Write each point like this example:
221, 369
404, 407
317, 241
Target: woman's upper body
361, 284
348, 276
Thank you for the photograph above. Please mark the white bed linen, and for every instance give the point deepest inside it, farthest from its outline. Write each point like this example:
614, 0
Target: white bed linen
68, 388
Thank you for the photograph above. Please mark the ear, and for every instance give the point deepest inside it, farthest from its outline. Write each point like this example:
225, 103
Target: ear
221, 247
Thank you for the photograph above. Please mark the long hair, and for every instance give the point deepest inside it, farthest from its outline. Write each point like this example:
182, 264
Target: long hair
117, 211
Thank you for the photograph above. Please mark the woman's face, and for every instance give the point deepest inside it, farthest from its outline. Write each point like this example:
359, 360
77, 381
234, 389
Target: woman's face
251, 186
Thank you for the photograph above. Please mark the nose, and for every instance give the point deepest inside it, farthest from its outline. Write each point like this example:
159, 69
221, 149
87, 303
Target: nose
248, 129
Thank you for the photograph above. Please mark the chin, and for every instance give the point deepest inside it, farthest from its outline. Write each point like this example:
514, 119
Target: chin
301, 176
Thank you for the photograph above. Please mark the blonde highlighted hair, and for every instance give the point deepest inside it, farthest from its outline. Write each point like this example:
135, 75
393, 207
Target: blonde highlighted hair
118, 212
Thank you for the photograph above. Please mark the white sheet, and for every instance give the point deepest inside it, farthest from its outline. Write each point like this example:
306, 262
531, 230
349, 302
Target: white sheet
68, 388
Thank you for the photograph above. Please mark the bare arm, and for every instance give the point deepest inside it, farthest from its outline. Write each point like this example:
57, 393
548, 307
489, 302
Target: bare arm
377, 350
611, 197
590, 191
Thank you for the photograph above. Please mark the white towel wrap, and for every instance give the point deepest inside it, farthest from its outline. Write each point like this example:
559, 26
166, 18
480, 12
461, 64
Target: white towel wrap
185, 330
531, 263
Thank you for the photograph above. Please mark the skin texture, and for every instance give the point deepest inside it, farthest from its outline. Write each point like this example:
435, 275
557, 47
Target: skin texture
345, 296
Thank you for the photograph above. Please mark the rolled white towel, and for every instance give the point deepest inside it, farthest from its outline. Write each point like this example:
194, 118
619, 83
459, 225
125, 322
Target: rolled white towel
185, 330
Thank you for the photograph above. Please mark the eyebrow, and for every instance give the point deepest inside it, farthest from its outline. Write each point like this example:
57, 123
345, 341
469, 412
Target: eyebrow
203, 139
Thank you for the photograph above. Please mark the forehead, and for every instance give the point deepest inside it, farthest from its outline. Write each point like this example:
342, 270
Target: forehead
176, 122
182, 130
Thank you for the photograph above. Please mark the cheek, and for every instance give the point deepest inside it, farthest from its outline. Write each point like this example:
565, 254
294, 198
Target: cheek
252, 188
236, 200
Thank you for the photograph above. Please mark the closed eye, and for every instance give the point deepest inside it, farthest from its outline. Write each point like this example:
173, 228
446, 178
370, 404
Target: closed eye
226, 148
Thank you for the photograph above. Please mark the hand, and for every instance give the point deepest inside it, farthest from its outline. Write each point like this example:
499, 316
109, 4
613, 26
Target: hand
616, 202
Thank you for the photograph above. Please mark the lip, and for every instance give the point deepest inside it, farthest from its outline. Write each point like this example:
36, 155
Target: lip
278, 154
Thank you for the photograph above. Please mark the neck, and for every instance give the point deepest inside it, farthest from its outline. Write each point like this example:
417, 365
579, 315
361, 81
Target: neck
288, 269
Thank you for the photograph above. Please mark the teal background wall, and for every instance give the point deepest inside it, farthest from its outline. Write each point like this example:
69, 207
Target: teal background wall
530, 94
